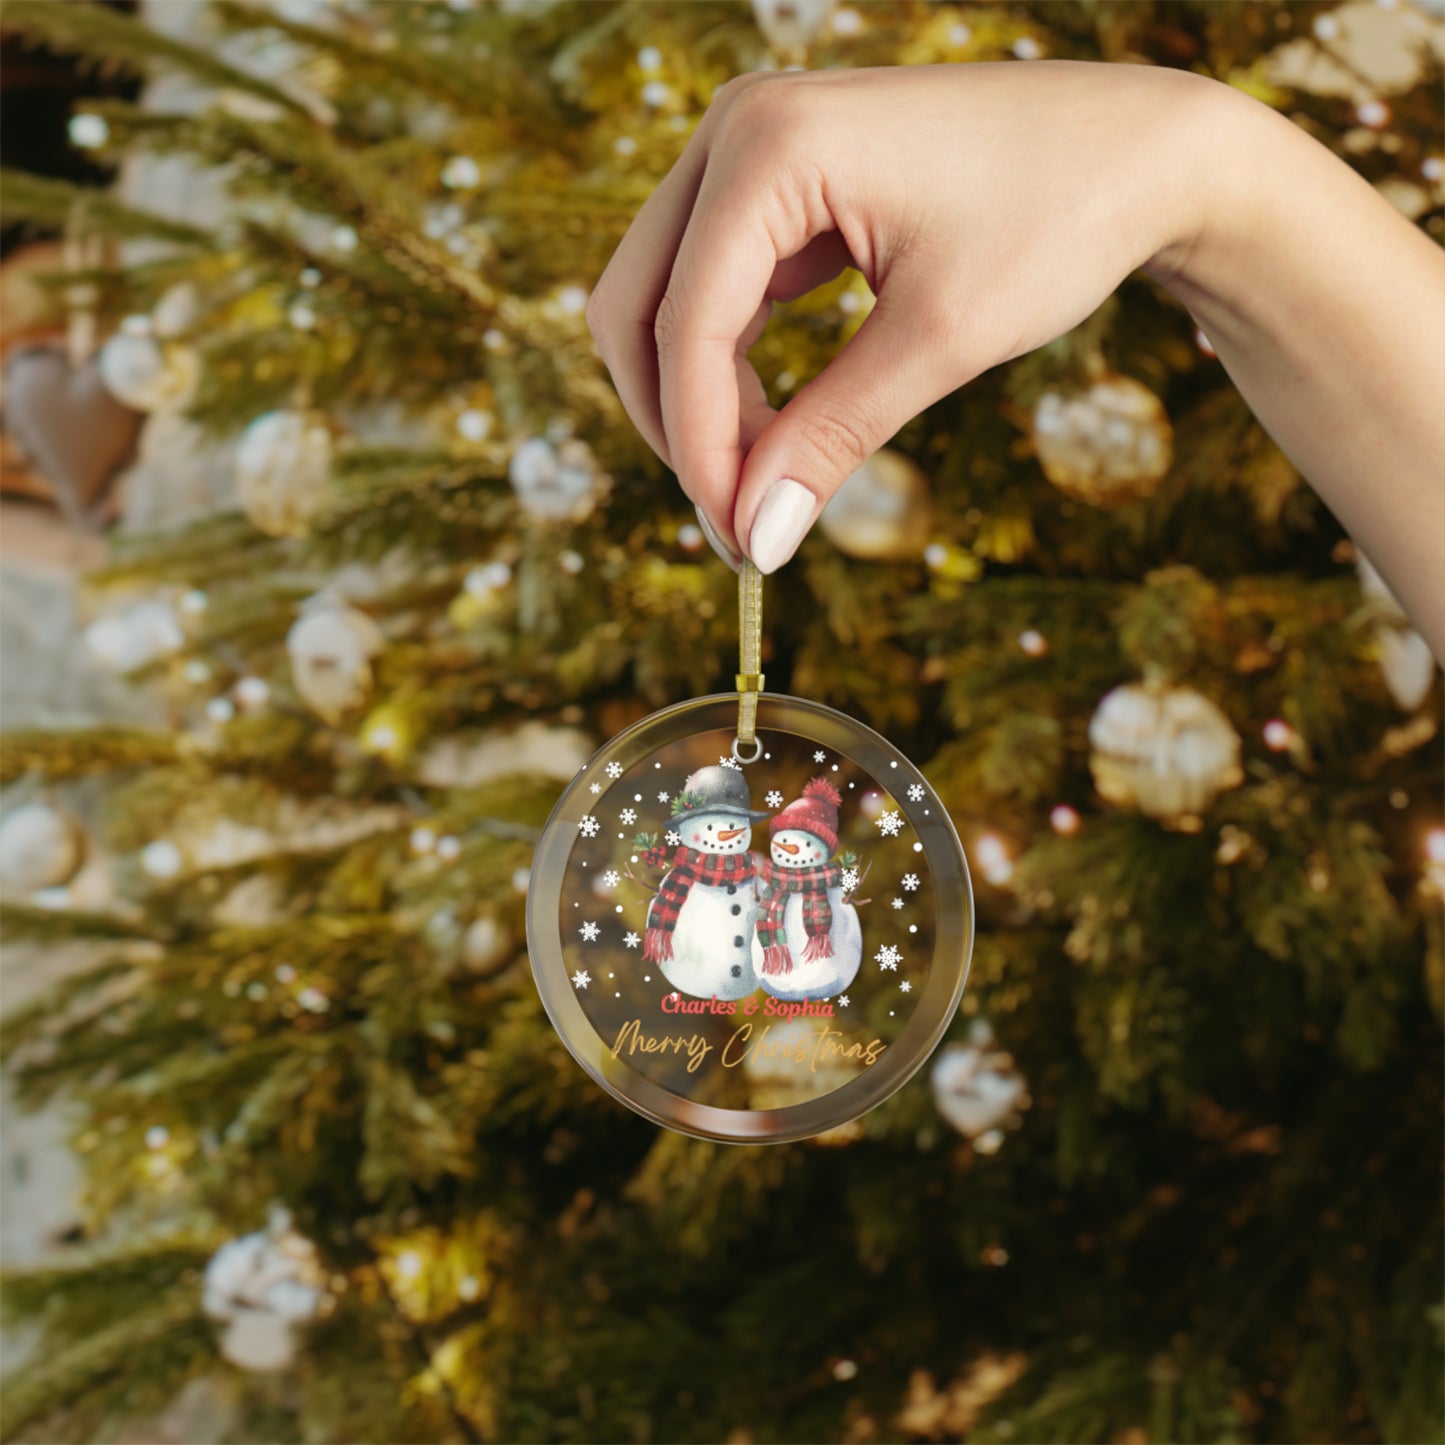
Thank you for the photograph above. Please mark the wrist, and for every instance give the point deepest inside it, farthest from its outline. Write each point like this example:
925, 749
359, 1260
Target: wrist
1228, 144
1214, 146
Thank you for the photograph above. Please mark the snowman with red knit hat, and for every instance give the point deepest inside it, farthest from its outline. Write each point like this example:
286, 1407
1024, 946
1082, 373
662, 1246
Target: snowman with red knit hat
809, 944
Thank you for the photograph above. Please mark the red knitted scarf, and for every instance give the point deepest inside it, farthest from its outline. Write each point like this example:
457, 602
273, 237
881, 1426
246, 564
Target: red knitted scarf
688, 866
813, 884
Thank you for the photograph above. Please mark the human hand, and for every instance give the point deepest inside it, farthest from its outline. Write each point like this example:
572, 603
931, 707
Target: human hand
990, 208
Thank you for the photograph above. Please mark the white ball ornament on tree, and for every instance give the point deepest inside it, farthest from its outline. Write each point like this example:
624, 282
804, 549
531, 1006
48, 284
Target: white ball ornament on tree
554, 481
162, 859
1110, 443
283, 470
487, 944
176, 312
40, 847
461, 173
977, 1088
1407, 663
331, 647
791, 26
474, 425
882, 512
1405, 658
1167, 751
262, 1288
141, 634
87, 131
145, 373
442, 929
774, 1083
252, 692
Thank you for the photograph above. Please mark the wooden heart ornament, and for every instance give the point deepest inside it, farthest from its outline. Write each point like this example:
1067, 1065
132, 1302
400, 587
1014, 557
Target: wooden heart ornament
77, 435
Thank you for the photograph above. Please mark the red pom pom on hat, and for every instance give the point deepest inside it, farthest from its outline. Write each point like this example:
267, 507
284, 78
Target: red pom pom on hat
823, 789
816, 812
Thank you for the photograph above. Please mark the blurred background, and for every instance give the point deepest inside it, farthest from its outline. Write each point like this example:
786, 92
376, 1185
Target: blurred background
328, 554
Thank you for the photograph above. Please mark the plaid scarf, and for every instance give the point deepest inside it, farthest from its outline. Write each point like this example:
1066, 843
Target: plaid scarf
687, 866
813, 884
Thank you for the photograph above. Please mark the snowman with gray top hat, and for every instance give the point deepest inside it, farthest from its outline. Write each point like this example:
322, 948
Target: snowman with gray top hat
700, 924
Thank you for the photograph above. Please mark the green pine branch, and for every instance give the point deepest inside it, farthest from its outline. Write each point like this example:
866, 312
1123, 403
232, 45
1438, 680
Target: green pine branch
51, 925
522, 112
54, 205
83, 752
125, 1334
110, 39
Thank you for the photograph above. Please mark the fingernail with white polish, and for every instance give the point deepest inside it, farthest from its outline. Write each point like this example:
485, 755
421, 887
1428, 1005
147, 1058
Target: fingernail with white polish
781, 524
716, 542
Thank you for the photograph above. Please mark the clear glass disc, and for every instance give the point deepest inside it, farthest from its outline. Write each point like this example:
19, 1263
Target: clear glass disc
750, 951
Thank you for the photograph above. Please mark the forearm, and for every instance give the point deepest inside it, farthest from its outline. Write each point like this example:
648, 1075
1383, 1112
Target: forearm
1327, 308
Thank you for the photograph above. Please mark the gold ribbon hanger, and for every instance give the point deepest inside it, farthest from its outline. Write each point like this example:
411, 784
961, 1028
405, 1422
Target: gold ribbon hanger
750, 660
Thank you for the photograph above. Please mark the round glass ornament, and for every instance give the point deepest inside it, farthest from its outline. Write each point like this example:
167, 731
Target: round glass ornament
750, 943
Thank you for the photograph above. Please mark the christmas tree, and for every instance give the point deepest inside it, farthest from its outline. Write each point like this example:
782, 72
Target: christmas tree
1175, 1176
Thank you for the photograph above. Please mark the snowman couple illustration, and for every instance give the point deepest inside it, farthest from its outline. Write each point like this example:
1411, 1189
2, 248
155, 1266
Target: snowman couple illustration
725, 921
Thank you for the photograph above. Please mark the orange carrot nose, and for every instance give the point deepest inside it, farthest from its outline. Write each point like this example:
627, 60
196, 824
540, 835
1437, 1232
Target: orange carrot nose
726, 835
787, 847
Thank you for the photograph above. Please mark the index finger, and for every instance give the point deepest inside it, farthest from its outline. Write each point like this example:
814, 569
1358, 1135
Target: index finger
623, 307
624, 302
735, 238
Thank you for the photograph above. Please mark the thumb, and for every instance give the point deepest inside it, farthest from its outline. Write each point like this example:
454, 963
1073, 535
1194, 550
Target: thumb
903, 358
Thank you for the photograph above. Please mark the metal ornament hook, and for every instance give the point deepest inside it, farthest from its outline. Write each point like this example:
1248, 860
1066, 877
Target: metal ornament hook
756, 753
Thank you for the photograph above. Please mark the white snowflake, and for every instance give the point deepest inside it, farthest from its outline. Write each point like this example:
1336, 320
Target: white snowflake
588, 826
664, 797
910, 881
674, 838
590, 932
581, 978
774, 799
614, 770
849, 880
627, 815
728, 761
898, 903
632, 940
915, 793
820, 756
888, 957
611, 878
842, 1000
594, 787
905, 987
890, 824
